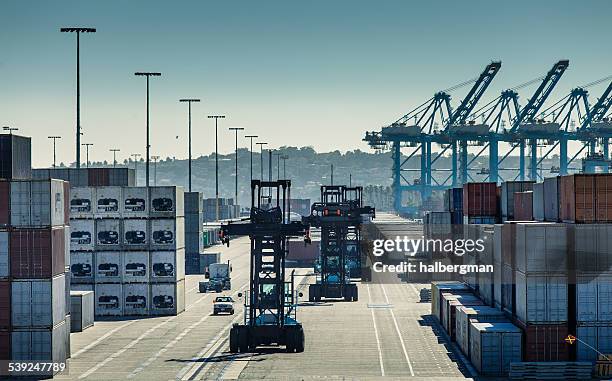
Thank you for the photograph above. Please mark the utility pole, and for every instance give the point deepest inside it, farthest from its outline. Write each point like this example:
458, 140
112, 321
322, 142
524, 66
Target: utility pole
114, 151
189, 101
284, 157
270, 165
261, 144
54, 139
216, 118
236, 129
136, 156
87, 145
251, 137
350, 179
78, 32
147, 75
155, 157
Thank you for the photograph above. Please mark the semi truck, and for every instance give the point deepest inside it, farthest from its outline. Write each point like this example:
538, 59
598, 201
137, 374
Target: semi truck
218, 278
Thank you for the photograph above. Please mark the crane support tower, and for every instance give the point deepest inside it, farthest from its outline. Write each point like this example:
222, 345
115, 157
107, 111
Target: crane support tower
271, 301
339, 215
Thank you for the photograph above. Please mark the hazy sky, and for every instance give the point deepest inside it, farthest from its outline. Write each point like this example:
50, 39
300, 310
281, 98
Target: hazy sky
316, 73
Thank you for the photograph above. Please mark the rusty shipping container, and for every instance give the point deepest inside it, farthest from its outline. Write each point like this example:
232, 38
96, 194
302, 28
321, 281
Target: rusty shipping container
37, 253
586, 198
523, 206
545, 342
98, 177
480, 199
508, 191
5, 304
5, 345
603, 198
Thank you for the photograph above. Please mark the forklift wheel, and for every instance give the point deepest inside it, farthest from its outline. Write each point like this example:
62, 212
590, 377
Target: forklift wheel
243, 339
299, 348
348, 293
355, 294
234, 340
290, 340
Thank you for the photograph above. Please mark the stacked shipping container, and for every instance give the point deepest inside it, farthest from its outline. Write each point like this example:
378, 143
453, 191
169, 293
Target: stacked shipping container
127, 245
93, 177
480, 203
227, 209
194, 236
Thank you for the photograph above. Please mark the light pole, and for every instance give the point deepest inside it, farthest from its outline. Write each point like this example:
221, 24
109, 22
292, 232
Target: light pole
54, 139
251, 137
155, 157
284, 157
78, 32
87, 145
236, 129
216, 118
147, 75
189, 101
270, 165
114, 151
261, 144
10, 129
136, 156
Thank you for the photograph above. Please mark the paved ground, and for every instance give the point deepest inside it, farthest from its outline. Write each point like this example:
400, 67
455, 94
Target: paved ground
387, 334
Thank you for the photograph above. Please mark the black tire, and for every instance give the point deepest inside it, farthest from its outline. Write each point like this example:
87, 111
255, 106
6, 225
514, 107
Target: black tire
355, 294
290, 340
234, 340
243, 339
348, 293
299, 340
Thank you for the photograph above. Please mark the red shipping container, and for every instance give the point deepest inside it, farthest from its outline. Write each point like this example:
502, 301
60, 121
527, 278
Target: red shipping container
577, 198
302, 253
5, 305
67, 203
545, 342
603, 198
98, 177
5, 345
523, 206
5, 200
37, 253
480, 199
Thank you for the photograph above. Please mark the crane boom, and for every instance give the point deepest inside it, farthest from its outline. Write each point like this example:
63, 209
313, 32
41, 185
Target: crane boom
600, 108
473, 96
529, 112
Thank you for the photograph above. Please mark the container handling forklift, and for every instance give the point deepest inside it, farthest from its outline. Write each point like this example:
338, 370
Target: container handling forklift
339, 215
271, 302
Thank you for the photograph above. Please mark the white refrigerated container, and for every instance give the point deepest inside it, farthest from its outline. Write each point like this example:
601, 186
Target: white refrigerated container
108, 201
167, 266
82, 267
109, 299
135, 299
135, 266
109, 266
136, 234
108, 234
167, 233
82, 201
82, 235
166, 201
135, 202
167, 298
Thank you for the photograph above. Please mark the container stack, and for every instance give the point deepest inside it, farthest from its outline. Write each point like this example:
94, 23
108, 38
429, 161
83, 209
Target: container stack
227, 209
210, 235
34, 318
92, 177
300, 206
507, 195
128, 246
480, 203
194, 236
453, 202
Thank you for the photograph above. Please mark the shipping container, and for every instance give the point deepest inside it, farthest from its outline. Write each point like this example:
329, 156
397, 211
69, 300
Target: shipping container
37, 253
523, 206
82, 201
78, 177
47, 345
107, 203
497, 284
302, 253
109, 299
590, 247
538, 202
109, 266
135, 299
168, 234
583, 198
552, 198
82, 234
4, 254
5, 203
494, 346
37, 203
38, 303
541, 247
480, 314
507, 194
193, 202
480, 199
545, 342
593, 340
136, 234
15, 157
166, 202
5, 305
81, 267
437, 288
5, 345
194, 242
98, 177
167, 266
135, 202
68, 330
594, 298
82, 287
81, 310
167, 298
450, 302
508, 289
108, 234
136, 266
541, 298
194, 222
481, 220
67, 248
603, 198
66, 197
